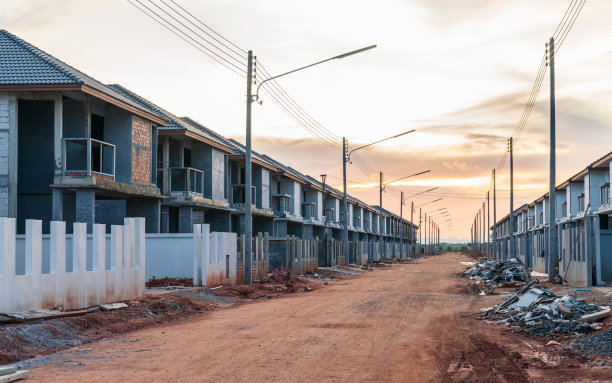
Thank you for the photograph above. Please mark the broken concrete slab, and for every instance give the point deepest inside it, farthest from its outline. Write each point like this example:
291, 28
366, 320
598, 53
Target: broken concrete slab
113, 306
9, 369
18, 375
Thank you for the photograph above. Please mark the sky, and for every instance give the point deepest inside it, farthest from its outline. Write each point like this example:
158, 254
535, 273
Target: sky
458, 72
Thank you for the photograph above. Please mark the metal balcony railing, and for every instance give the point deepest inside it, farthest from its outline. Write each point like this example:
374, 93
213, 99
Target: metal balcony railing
87, 156
238, 196
186, 181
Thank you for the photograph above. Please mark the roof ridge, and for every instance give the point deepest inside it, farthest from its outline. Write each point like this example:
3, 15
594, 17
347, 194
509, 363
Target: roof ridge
44, 56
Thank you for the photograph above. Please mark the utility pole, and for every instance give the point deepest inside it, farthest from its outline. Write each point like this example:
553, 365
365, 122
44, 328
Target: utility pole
411, 228
494, 219
488, 226
248, 217
401, 224
425, 234
511, 218
484, 232
325, 233
420, 229
380, 190
552, 197
344, 203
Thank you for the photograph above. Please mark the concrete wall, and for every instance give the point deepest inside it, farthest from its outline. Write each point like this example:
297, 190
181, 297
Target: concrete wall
169, 255
201, 255
118, 131
105, 269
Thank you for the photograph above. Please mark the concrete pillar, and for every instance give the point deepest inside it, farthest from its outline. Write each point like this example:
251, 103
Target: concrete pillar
57, 205
185, 219
58, 135
86, 208
165, 219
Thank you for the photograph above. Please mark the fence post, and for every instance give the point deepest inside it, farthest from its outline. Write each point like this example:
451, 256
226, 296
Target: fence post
197, 255
98, 264
267, 252
115, 281
7, 263
77, 275
57, 259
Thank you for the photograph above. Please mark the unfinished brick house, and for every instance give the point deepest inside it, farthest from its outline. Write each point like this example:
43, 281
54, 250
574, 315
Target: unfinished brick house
71, 148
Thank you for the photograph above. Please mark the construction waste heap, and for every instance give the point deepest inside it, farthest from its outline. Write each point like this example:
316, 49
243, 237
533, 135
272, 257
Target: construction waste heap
542, 312
511, 271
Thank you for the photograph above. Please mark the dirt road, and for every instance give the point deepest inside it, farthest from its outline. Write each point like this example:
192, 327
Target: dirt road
400, 324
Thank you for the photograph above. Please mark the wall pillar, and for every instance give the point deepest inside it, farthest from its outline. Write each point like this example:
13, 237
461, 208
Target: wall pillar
57, 208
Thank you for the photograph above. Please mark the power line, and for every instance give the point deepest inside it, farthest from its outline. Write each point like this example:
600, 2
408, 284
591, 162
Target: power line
239, 62
562, 39
209, 28
239, 73
169, 24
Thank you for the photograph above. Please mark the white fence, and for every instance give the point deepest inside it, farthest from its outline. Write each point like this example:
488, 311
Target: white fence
208, 258
70, 271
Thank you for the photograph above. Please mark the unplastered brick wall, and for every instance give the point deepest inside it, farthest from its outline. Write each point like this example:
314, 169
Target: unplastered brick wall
141, 151
4, 156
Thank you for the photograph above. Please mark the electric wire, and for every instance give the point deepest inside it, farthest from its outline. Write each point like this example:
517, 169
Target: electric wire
238, 62
169, 24
238, 72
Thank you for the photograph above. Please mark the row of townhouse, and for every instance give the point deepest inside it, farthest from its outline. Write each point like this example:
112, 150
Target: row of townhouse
73, 149
584, 228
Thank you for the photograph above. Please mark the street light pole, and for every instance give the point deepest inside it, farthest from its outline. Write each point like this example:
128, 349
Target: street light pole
345, 159
248, 215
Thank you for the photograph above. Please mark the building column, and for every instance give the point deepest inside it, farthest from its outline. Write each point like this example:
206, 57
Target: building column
86, 208
165, 219
57, 210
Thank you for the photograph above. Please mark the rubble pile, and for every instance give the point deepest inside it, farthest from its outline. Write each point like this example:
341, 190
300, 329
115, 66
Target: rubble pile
478, 288
600, 344
542, 312
498, 272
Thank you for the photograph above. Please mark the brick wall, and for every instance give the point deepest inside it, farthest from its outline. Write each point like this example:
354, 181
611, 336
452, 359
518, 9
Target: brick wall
141, 151
4, 156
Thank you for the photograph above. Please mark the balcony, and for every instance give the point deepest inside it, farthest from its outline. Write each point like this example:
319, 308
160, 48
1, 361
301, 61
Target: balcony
282, 205
309, 210
89, 157
186, 181
238, 196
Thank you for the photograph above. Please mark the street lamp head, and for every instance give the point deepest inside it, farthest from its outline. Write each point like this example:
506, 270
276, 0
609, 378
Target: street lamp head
354, 52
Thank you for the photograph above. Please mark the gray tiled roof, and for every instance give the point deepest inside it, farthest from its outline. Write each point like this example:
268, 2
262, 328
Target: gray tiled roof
174, 122
22, 63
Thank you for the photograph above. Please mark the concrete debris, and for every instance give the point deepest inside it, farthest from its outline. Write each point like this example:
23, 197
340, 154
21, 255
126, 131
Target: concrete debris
498, 272
542, 312
113, 306
599, 344
6, 370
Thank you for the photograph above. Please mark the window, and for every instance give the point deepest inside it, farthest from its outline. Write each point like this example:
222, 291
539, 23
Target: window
541, 218
580, 203
564, 209
604, 192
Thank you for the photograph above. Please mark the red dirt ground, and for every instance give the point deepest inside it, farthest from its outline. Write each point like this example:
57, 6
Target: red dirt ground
404, 323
